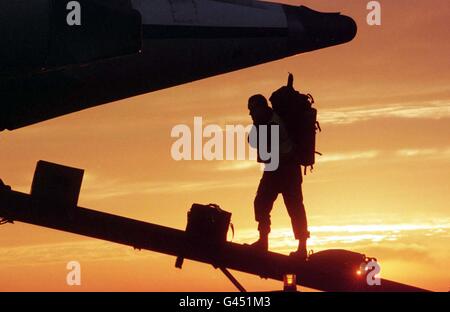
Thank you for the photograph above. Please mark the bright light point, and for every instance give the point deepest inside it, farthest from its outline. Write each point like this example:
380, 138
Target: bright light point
289, 279
358, 272
290, 282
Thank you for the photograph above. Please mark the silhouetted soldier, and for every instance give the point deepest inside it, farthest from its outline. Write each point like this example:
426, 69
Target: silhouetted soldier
287, 180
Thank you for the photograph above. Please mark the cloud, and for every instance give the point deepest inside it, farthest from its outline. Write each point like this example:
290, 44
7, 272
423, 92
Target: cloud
416, 152
426, 110
238, 165
243, 165
428, 152
108, 189
355, 236
347, 156
352, 114
88, 250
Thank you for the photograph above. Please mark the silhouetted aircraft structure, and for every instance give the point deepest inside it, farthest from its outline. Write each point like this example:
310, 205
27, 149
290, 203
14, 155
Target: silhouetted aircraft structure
123, 48
53, 204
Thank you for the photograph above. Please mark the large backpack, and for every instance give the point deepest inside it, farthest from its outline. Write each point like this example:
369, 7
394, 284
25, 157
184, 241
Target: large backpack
300, 118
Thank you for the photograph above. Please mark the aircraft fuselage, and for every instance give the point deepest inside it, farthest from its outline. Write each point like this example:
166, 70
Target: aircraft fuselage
124, 48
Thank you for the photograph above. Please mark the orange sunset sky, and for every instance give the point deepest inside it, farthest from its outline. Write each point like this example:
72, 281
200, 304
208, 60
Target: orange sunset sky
380, 188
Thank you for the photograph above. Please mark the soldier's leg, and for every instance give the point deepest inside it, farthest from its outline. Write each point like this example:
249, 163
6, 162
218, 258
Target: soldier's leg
265, 197
296, 210
293, 199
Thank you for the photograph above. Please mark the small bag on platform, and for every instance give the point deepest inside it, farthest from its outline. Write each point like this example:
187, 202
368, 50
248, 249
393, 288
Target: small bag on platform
208, 223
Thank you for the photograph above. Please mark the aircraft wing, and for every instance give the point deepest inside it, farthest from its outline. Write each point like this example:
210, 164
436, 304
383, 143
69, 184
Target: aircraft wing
123, 48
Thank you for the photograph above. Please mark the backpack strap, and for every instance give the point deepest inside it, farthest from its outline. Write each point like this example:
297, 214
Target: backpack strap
290, 82
311, 168
232, 231
318, 126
